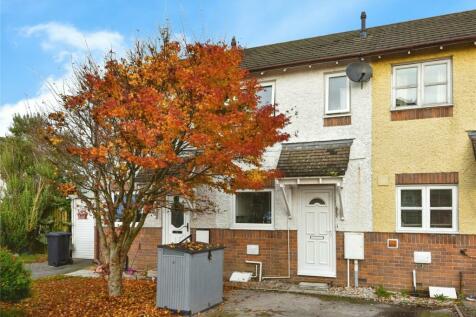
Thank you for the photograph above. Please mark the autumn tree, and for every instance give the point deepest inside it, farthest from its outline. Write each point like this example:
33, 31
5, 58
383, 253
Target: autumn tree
166, 120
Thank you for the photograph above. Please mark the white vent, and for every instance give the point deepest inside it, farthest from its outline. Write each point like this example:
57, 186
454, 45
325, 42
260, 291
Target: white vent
252, 249
422, 257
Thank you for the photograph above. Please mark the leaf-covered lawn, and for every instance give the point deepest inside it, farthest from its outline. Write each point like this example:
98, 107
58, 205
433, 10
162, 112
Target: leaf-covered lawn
77, 296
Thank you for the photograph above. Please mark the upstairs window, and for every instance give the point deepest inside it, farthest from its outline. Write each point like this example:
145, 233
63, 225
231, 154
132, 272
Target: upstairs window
427, 208
266, 95
422, 84
337, 93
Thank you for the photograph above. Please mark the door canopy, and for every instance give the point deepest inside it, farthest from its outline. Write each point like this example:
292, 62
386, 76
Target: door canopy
311, 159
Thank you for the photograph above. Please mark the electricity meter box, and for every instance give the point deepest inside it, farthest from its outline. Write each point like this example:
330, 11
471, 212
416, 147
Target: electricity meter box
354, 245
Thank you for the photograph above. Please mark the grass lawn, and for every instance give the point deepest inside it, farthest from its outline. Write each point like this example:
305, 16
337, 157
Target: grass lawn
33, 258
78, 296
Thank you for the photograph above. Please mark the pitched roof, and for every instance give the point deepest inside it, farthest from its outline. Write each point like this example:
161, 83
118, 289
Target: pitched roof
450, 28
472, 137
322, 158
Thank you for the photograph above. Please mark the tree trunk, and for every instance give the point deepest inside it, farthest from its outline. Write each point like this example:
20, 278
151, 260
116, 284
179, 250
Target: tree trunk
116, 268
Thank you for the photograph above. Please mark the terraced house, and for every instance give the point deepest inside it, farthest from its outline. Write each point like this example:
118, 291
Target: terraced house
424, 159
379, 176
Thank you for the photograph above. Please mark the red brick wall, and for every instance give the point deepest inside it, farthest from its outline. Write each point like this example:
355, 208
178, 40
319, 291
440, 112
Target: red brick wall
143, 252
391, 268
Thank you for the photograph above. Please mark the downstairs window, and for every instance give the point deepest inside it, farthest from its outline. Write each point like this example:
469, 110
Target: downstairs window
427, 208
253, 209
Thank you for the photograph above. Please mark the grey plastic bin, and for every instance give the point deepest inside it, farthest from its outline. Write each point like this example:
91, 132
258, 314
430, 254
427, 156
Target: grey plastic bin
58, 248
189, 281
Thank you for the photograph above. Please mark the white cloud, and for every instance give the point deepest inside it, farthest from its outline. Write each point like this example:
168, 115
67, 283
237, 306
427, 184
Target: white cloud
24, 106
43, 101
67, 45
57, 35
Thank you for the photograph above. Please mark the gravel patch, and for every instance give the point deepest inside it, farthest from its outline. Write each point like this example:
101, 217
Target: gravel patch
362, 293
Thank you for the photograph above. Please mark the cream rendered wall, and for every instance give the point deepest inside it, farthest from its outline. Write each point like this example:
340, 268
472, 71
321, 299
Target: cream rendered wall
303, 92
153, 220
425, 145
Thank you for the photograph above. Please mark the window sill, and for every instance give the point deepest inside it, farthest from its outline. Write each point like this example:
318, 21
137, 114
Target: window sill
427, 231
337, 114
118, 224
251, 227
421, 107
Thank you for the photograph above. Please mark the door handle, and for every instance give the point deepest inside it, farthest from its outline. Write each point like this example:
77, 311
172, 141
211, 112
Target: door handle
188, 228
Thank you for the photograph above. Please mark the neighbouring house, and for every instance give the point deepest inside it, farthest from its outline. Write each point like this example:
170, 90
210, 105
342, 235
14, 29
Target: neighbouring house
374, 171
423, 159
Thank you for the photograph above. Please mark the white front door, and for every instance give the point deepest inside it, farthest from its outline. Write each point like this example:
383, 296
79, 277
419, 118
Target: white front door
176, 225
316, 233
82, 229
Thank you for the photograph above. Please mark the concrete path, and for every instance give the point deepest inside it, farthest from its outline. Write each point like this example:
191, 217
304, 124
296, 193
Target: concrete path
84, 273
248, 303
42, 269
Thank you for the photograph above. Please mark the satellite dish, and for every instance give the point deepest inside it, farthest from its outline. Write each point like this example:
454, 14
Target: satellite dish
359, 72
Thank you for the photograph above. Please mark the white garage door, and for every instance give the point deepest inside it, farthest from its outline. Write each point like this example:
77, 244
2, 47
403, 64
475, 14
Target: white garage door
82, 231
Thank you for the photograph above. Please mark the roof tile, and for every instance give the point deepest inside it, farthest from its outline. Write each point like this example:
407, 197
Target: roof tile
416, 33
322, 158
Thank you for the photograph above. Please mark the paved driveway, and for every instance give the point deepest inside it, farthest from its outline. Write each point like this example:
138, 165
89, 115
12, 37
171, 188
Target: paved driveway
241, 303
43, 269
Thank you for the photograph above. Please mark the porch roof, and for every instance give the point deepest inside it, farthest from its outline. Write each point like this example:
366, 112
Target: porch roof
472, 137
319, 158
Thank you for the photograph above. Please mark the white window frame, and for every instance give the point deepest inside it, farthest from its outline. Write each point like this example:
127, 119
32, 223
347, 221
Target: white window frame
425, 189
420, 84
327, 78
273, 88
253, 226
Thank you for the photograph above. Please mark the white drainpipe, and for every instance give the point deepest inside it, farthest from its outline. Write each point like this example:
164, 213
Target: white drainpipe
258, 269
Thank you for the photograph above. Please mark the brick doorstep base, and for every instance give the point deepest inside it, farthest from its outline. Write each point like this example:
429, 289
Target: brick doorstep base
391, 268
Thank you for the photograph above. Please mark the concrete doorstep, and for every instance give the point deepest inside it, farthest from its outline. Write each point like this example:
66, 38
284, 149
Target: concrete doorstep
314, 286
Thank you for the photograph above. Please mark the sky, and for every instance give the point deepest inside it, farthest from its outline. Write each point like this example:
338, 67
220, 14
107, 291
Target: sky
42, 40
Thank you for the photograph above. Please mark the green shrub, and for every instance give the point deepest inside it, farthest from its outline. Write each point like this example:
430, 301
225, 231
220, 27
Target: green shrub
441, 297
15, 281
382, 292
